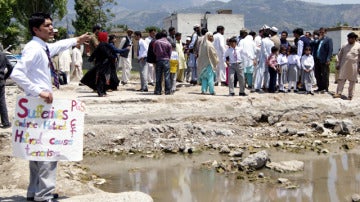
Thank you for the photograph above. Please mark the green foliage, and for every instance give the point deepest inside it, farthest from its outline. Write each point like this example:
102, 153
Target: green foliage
333, 64
23, 9
90, 13
152, 27
8, 31
62, 33
339, 24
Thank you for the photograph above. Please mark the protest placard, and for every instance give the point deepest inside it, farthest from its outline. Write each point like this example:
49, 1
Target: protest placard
48, 132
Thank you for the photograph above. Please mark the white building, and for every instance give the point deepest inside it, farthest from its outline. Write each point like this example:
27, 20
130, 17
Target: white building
339, 36
184, 22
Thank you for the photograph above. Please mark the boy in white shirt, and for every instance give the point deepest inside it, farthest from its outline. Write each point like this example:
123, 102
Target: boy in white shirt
233, 60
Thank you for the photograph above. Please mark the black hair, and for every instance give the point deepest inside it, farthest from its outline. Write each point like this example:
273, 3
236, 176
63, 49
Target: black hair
96, 27
232, 39
171, 29
298, 31
164, 33
274, 49
177, 34
111, 37
252, 33
219, 28
151, 30
285, 32
137, 33
203, 31
36, 20
293, 50
158, 35
266, 33
352, 35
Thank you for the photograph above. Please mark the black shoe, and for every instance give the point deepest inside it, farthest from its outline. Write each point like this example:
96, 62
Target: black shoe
281, 91
223, 84
143, 90
296, 90
157, 93
242, 94
6, 126
151, 84
123, 83
55, 196
232, 94
167, 93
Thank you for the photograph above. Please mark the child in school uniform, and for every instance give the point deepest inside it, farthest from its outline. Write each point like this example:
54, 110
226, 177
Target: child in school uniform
174, 65
282, 74
233, 60
307, 65
273, 67
293, 68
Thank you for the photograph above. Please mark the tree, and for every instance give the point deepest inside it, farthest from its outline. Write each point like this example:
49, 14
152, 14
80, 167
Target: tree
152, 27
24, 9
90, 13
9, 31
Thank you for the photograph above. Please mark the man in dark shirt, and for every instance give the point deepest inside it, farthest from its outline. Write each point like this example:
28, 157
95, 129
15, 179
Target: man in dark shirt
4, 64
162, 50
322, 61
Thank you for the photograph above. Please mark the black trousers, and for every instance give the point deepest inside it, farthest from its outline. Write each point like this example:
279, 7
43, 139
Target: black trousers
3, 108
322, 73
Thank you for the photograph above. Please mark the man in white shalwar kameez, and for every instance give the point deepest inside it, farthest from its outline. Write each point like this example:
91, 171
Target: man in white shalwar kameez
248, 54
262, 73
348, 65
219, 44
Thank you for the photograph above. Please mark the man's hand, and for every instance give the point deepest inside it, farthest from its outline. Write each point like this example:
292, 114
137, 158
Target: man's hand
83, 38
47, 96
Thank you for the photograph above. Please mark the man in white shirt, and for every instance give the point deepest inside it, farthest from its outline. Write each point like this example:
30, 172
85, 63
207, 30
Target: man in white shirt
142, 54
193, 53
76, 67
125, 58
33, 74
262, 73
248, 54
150, 66
219, 44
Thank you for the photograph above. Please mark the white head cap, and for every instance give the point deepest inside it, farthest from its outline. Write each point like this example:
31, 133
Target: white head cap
274, 29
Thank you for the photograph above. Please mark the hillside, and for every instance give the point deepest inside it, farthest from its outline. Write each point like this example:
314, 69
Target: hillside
284, 14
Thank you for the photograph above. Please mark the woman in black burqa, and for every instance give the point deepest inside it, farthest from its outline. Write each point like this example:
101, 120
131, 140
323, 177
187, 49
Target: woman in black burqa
103, 77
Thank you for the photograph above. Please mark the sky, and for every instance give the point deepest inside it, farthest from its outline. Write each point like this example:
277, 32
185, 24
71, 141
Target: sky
334, 1
326, 1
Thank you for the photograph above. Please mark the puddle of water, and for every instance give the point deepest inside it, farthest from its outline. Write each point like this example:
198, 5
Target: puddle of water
179, 178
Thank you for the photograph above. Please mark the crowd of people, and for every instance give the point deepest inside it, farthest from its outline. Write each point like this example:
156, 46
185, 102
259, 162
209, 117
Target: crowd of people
261, 62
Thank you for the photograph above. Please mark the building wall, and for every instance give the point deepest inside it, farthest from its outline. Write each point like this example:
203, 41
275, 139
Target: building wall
339, 36
184, 23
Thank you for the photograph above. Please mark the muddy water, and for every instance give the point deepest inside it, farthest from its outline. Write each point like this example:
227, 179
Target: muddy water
179, 178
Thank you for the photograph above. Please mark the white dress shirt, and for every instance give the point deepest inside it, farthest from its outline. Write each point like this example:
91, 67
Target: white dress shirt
143, 49
248, 50
33, 72
233, 54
